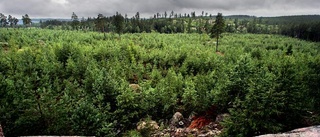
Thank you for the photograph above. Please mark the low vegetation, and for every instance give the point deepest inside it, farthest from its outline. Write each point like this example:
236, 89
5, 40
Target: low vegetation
58, 82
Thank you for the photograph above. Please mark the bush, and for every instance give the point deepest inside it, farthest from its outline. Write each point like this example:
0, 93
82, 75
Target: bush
74, 83
267, 101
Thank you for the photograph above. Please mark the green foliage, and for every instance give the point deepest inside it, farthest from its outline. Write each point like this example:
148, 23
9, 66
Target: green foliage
26, 20
146, 129
75, 21
118, 22
312, 78
265, 99
133, 133
76, 83
218, 26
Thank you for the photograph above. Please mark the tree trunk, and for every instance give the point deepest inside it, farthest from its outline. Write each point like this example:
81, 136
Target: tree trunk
104, 34
217, 43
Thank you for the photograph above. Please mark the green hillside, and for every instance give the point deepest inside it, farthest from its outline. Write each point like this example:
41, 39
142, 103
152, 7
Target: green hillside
58, 82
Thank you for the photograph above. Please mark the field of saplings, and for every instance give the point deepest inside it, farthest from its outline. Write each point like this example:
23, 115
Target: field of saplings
57, 82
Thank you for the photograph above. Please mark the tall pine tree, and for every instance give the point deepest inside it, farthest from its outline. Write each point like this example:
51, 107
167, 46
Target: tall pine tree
118, 22
26, 20
218, 29
75, 21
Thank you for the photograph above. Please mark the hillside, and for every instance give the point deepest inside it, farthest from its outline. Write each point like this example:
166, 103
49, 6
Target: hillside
81, 83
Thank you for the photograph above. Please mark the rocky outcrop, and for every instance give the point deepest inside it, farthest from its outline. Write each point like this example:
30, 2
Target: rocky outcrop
180, 127
178, 121
207, 131
313, 131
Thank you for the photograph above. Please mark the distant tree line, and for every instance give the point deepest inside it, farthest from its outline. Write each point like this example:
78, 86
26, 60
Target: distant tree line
10, 21
306, 31
162, 23
294, 26
5, 21
305, 27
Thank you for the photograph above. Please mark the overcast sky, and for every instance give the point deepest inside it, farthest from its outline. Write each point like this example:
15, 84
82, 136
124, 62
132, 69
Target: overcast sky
91, 8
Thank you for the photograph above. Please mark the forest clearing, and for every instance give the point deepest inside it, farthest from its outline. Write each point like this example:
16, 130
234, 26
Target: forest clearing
60, 82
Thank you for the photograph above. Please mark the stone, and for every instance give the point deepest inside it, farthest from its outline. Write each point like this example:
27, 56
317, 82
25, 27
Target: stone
181, 123
210, 133
219, 53
135, 87
203, 131
202, 135
194, 130
188, 130
150, 125
177, 117
313, 131
177, 120
179, 132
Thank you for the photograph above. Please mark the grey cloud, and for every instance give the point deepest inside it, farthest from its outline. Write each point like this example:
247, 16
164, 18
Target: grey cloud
32, 7
90, 8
